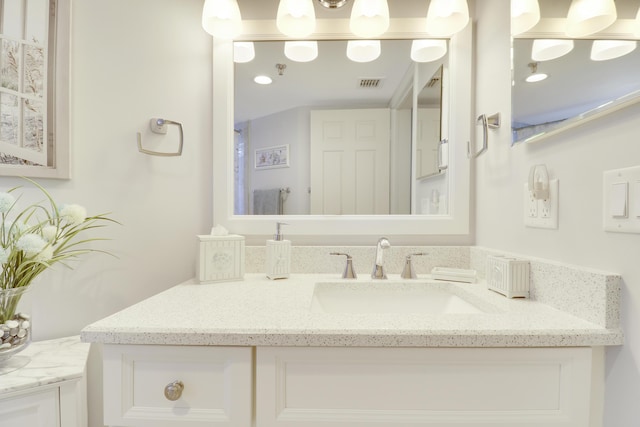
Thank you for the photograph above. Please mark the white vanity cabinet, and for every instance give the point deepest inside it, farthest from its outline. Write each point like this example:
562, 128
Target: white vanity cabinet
177, 386
402, 387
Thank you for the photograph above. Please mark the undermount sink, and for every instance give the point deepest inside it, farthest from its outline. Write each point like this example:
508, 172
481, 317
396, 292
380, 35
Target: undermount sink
392, 297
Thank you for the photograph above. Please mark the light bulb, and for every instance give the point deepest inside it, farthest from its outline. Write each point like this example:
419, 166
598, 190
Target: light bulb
296, 18
586, 17
363, 50
525, 14
548, 49
221, 18
447, 17
428, 50
369, 18
603, 50
243, 52
301, 51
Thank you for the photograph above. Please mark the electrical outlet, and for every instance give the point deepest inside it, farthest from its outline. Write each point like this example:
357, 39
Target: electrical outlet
542, 213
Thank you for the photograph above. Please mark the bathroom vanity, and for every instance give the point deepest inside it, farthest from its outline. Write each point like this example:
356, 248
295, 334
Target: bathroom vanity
278, 353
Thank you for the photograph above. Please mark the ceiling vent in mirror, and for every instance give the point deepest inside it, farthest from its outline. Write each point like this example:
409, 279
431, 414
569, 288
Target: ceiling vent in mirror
370, 82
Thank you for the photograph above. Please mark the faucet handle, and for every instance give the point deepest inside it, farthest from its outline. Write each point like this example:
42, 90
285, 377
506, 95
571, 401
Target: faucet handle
348, 273
408, 272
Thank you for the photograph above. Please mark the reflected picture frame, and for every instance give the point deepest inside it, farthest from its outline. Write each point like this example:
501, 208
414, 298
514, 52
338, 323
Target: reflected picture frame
272, 157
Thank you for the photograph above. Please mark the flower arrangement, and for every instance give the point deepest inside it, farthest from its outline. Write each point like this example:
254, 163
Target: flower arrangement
34, 239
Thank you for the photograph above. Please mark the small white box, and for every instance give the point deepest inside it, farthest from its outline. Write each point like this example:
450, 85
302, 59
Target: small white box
220, 258
508, 276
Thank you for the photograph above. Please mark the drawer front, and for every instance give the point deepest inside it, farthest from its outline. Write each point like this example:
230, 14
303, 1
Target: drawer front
35, 409
216, 386
331, 387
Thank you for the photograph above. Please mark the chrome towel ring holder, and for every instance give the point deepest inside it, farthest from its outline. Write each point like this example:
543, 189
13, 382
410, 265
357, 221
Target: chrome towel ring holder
160, 126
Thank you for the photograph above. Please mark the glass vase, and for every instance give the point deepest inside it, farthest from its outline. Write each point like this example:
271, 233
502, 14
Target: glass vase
15, 327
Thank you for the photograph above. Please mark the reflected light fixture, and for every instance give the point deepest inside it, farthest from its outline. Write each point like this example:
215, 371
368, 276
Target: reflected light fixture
548, 49
447, 17
603, 50
428, 50
296, 18
636, 25
525, 14
243, 52
369, 18
535, 76
363, 50
221, 18
262, 80
301, 51
586, 17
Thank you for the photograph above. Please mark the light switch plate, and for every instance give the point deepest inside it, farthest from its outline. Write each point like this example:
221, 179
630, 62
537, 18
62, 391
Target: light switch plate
542, 213
612, 219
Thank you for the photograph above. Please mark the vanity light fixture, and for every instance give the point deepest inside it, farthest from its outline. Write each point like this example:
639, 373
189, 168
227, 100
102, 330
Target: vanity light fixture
369, 18
296, 18
447, 17
428, 50
535, 76
548, 49
363, 50
262, 80
586, 17
221, 18
603, 50
301, 51
525, 14
243, 52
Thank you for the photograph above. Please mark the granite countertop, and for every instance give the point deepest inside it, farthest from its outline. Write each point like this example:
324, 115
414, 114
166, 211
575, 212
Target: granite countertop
261, 312
45, 362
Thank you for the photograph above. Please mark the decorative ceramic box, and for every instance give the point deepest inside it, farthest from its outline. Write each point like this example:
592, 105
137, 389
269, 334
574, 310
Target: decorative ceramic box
508, 276
221, 258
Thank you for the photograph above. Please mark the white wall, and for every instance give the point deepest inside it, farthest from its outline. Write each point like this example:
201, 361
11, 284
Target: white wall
577, 158
131, 61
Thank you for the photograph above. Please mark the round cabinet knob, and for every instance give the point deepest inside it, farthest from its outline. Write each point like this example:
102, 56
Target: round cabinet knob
173, 390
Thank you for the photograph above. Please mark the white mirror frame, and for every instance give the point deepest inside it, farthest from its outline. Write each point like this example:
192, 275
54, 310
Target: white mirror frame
455, 223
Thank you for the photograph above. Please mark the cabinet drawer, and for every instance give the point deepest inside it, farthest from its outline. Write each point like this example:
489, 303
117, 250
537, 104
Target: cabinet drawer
216, 386
341, 387
35, 409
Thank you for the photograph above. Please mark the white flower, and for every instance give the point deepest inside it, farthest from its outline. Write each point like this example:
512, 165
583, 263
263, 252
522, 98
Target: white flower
6, 202
49, 232
31, 244
74, 214
4, 255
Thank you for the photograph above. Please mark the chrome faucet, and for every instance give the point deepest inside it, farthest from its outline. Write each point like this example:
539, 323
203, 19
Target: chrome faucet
378, 269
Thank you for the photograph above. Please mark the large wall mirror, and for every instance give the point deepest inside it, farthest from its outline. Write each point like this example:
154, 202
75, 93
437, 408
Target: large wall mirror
34, 95
288, 161
576, 88
271, 146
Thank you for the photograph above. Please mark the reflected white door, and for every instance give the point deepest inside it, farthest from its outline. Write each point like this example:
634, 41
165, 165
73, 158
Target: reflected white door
427, 139
350, 161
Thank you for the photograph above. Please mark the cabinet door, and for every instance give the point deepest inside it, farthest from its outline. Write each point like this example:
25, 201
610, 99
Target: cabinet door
39, 409
409, 387
216, 380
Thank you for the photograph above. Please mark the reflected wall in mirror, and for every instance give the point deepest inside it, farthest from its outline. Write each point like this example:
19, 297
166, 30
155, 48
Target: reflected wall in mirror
428, 127
34, 65
350, 144
576, 88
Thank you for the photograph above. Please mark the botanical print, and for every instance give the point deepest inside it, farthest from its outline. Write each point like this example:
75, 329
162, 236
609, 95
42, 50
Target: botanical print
34, 70
9, 119
33, 137
272, 157
10, 60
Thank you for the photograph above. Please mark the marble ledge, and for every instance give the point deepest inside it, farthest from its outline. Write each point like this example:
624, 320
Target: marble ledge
49, 362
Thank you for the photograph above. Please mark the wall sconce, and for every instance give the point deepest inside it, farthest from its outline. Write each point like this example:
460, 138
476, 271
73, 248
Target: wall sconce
369, 18
586, 17
428, 50
525, 14
548, 49
301, 51
603, 50
363, 50
296, 18
221, 18
447, 17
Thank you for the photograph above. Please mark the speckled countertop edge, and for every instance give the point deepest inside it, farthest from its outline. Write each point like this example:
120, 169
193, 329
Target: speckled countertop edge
260, 312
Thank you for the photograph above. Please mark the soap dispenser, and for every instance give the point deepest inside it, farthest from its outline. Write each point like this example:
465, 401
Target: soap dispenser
278, 255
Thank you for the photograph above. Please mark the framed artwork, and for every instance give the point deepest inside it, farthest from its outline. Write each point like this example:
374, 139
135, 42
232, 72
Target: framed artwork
272, 157
34, 88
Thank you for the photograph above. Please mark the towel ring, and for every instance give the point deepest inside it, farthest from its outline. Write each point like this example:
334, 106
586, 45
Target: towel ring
159, 126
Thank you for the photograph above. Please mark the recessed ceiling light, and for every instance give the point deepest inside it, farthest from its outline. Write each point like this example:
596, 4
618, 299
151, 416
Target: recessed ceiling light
263, 80
538, 77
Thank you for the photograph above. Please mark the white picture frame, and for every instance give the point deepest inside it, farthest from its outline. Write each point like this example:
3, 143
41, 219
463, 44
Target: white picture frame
272, 157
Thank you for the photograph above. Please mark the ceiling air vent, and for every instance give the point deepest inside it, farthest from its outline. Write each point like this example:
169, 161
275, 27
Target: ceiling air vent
370, 82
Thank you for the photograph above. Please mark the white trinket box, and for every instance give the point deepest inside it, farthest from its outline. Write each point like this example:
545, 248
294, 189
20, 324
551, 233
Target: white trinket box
220, 258
508, 276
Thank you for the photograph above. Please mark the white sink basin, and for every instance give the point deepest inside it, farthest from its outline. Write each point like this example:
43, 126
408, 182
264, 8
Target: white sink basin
392, 297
